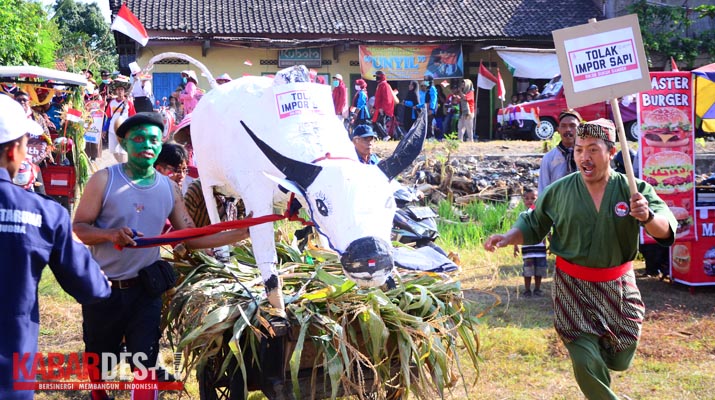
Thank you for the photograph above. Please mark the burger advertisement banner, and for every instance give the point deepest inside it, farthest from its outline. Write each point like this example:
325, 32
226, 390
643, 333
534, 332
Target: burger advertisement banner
667, 146
693, 263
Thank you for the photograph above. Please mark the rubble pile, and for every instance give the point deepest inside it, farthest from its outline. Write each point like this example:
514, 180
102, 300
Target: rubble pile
468, 178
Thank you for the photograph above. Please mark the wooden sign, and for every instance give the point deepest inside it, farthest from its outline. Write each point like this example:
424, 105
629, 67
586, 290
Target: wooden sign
601, 60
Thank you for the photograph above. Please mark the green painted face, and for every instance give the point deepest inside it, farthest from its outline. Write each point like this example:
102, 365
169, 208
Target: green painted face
143, 144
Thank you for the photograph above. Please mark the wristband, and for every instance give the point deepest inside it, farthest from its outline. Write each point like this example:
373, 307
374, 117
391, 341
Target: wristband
651, 215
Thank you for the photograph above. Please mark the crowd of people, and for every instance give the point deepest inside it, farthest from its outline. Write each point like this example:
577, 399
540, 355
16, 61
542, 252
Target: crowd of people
145, 194
581, 205
390, 116
532, 93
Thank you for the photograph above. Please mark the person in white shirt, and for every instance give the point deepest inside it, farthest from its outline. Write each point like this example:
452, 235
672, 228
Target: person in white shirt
559, 162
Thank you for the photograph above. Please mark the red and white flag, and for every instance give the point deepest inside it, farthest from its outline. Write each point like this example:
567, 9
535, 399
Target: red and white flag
74, 115
673, 65
485, 79
128, 24
501, 91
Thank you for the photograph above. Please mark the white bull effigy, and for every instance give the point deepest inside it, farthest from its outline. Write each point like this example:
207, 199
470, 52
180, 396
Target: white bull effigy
259, 137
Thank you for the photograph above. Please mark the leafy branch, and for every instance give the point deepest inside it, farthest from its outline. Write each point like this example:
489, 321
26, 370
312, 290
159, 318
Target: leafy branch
665, 31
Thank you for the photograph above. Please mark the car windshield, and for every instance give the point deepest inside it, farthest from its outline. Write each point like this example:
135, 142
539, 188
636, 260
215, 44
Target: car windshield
551, 88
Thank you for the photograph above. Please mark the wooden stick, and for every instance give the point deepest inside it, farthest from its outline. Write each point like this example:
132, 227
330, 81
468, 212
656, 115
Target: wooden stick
622, 138
624, 146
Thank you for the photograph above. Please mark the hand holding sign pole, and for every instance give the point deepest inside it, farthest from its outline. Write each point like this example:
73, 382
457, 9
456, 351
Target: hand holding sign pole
602, 61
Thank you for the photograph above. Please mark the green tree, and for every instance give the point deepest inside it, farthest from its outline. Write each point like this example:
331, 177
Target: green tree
86, 41
665, 31
26, 34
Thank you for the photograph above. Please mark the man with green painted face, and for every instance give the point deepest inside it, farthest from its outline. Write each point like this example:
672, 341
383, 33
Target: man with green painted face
119, 203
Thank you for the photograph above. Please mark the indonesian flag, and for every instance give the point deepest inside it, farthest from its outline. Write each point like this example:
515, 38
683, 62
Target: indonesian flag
501, 91
74, 115
673, 65
485, 79
128, 24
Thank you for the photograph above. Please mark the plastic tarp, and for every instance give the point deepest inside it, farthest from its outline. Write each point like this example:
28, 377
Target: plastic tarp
532, 65
422, 259
705, 96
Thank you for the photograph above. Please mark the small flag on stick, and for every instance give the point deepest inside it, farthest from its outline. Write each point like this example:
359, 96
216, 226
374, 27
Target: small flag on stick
673, 65
74, 115
501, 91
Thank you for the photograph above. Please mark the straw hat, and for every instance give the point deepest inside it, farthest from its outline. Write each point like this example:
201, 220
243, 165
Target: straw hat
223, 77
119, 81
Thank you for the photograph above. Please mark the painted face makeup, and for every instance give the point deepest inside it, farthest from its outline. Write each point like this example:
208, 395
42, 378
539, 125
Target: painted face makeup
143, 144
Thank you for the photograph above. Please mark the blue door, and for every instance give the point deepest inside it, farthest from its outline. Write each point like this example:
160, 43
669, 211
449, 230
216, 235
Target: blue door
165, 83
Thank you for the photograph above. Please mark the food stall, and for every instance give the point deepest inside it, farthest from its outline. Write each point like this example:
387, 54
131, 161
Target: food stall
667, 161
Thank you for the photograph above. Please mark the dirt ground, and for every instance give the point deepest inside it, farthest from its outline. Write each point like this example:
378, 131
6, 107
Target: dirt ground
508, 147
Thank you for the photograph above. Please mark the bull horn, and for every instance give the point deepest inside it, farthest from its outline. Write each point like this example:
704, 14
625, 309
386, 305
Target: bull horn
302, 173
408, 149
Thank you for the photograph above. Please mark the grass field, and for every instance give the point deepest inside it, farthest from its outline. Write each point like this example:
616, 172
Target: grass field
522, 357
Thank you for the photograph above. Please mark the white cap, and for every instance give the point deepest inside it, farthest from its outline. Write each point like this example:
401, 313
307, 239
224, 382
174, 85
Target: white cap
134, 67
223, 77
338, 76
14, 122
190, 73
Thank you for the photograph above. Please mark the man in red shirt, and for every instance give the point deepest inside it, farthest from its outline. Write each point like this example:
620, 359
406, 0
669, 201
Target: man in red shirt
384, 100
340, 97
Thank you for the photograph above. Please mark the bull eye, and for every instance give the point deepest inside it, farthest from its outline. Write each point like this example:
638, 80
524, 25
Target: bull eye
322, 208
322, 205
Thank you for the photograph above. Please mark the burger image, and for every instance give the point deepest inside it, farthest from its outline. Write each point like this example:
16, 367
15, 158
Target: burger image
681, 259
669, 172
685, 221
709, 262
666, 127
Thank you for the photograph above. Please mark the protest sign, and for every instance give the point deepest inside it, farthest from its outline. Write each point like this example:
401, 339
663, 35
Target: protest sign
602, 60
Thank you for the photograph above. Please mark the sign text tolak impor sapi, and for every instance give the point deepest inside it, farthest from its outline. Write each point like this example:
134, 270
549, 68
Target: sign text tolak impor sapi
605, 59
296, 102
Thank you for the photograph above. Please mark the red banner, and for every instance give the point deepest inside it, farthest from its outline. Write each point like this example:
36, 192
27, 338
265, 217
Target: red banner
667, 145
693, 263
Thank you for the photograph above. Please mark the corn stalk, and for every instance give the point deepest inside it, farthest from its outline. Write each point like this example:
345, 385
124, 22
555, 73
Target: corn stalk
406, 339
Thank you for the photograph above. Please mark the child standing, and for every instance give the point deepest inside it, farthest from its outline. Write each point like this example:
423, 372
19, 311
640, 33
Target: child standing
534, 256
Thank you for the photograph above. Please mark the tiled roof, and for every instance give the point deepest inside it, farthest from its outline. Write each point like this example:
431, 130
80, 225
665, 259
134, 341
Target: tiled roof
351, 19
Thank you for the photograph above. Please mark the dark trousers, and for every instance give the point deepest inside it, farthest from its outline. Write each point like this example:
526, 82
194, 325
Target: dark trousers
128, 314
430, 127
143, 104
657, 258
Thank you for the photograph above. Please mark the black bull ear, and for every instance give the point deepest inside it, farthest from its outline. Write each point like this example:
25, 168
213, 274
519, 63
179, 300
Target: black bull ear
407, 150
302, 173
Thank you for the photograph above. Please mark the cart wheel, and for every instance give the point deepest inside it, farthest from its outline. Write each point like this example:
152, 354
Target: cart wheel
210, 386
214, 387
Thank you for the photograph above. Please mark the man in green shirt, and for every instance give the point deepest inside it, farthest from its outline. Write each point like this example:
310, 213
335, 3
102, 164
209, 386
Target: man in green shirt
598, 311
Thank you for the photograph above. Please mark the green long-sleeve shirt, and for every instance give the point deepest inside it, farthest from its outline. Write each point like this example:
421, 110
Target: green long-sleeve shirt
604, 238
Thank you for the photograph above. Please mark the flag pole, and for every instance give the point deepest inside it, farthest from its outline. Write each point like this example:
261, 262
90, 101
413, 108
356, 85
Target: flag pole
476, 102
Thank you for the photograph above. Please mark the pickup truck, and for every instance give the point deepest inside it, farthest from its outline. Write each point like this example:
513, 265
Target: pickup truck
539, 118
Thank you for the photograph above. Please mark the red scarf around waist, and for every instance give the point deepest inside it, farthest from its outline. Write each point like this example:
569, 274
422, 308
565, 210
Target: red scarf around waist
593, 274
